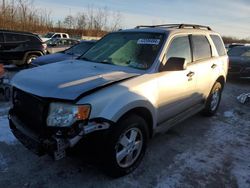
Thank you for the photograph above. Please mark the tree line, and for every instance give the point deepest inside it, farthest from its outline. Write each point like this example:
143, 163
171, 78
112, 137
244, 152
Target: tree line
23, 15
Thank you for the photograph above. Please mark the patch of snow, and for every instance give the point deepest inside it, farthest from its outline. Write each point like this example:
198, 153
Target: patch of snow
5, 132
226, 149
229, 114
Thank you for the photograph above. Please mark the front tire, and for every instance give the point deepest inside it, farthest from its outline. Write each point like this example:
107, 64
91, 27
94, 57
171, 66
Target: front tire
127, 146
213, 100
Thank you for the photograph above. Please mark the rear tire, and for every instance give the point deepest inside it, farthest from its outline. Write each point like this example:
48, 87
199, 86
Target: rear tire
126, 146
30, 58
7, 93
213, 100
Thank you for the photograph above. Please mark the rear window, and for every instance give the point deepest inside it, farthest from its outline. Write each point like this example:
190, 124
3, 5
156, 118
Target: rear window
218, 44
201, 47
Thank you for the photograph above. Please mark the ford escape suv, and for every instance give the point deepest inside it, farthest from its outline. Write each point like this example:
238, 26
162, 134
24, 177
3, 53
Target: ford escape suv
127, 87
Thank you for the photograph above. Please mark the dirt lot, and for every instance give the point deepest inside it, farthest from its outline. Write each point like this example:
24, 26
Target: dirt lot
200, 152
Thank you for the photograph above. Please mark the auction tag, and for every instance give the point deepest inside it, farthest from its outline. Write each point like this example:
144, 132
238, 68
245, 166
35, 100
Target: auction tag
149, 41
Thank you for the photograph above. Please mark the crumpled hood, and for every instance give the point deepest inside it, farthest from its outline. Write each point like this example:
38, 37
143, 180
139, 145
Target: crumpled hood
69, 79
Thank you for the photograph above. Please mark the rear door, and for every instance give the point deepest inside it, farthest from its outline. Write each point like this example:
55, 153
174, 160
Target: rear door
177, 89
204, 65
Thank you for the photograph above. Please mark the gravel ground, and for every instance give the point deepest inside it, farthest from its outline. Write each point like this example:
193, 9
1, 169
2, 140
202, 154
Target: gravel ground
200, 152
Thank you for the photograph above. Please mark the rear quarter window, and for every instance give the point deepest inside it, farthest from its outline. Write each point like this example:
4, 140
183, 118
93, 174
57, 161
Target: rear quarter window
34, 39
201, 47
218, 44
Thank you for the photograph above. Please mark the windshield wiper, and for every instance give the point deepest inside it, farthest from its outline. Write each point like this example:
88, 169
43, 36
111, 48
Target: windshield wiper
106, 62
84, 58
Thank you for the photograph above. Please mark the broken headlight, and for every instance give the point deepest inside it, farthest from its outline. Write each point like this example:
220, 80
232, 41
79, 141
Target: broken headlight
64, 115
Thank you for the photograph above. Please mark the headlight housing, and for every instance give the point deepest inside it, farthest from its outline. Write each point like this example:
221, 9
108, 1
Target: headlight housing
64, 115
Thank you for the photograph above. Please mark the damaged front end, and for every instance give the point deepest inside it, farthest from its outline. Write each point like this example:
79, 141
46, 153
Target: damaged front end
50, 127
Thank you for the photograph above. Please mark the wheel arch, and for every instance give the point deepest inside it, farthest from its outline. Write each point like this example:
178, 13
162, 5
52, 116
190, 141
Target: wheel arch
221, 80
144, 113
39, 53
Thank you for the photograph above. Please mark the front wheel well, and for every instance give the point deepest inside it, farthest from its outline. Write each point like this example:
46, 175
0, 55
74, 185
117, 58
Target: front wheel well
222, 81
143, 113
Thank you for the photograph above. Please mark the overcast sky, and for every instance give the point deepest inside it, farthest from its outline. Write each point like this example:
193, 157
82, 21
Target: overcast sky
229, 17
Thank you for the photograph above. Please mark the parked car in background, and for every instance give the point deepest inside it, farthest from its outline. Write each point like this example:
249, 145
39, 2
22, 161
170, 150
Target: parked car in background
58, 45
52, 35
129, 86
4, 84
239, 61
20, 48
71, 53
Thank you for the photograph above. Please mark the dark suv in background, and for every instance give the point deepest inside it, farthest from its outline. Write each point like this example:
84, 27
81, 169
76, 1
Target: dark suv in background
20, 48
239, 61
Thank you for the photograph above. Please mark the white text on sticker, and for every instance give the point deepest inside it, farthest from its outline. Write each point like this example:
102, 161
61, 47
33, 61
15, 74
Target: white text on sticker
149, 41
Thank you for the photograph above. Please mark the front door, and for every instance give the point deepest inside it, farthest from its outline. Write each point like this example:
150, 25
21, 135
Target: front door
177, 89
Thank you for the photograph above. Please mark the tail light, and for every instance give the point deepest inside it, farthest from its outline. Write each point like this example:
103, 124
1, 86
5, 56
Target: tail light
44, 46
1, 70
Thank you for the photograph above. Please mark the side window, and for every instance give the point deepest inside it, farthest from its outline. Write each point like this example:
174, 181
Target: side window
180, 47
1, 37
201, 47
57, 36
218, 44
64, 36
10, 37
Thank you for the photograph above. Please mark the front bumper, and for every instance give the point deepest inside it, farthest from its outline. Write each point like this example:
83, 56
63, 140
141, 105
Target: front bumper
54, 145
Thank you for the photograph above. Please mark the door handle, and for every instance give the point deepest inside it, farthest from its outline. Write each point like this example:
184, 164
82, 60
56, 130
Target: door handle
213, 66
190, 74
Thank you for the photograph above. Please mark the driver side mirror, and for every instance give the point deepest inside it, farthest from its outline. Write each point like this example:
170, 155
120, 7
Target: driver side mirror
174, 64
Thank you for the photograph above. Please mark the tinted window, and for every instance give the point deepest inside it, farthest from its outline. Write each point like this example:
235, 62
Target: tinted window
1, 37
218, 44
239, 51
201, 47
64, 36
10, 37
33, 39
180, 47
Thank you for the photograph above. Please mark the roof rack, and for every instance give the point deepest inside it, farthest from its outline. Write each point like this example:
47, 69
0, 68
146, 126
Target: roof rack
177, 26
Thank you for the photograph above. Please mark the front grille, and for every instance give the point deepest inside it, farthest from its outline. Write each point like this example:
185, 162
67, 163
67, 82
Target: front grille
30, 110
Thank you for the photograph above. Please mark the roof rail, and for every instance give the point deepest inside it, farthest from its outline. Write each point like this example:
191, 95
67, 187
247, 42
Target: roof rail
177, 26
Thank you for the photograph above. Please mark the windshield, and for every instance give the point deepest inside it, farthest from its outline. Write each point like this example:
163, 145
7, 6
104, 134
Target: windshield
80, 48
136, 50
239, 51
48, 35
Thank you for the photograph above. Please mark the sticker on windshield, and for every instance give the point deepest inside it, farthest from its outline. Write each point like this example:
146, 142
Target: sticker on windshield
149, 41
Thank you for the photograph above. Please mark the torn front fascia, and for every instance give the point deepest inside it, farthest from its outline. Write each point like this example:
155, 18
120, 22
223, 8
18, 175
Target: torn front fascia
95, 124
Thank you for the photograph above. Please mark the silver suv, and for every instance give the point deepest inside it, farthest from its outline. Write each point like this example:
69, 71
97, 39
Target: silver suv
128, 86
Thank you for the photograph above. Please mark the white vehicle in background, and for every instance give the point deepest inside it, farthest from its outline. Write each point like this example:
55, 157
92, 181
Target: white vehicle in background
52, 35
